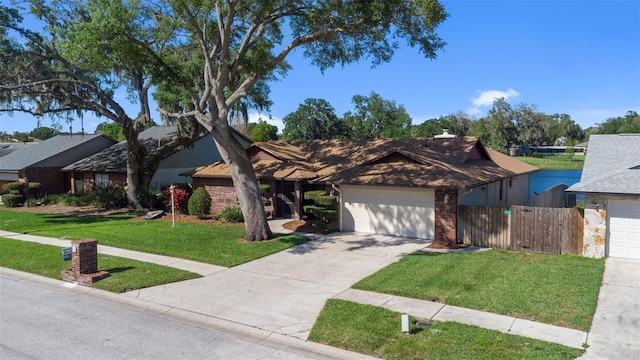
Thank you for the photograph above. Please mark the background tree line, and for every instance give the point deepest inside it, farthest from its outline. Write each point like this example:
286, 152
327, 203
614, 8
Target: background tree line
374, 117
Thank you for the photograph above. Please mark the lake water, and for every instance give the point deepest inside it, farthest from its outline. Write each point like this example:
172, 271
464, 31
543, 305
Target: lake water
545, 179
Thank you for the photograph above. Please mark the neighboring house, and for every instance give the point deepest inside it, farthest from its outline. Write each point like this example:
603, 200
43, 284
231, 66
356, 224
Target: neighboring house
109, 167
42, 162
402, 187
611, 184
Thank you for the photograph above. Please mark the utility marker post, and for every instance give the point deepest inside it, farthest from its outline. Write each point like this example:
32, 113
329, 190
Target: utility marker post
172, 189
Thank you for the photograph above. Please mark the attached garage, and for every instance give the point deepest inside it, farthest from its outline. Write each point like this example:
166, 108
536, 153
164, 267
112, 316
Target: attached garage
396, 211
624, 229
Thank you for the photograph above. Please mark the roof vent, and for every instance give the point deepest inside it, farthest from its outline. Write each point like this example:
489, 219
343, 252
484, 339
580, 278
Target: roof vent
445, 135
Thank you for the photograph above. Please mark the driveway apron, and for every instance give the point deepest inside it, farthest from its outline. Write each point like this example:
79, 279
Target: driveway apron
285, 292
615, 332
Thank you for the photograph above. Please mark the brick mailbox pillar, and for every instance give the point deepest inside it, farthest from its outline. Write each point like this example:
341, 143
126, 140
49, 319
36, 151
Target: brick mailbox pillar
84, 263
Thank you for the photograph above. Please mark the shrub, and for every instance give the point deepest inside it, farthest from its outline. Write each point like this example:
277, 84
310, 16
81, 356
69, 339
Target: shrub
12, 200
76, 200
13, 188
34, 190
109, 197
199, 203
231, 214
181, 195
265, 190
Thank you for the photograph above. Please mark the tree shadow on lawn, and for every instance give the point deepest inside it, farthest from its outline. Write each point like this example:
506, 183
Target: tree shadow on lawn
116, 270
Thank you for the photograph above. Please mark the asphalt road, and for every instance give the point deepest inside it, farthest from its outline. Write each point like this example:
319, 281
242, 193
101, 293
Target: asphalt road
47, 322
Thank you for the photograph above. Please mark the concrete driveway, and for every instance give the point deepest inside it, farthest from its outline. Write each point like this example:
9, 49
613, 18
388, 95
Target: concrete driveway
615, 332
292, 285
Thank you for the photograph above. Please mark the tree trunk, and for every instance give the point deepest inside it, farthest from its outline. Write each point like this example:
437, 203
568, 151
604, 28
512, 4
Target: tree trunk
135, 164
135, 180
245, 184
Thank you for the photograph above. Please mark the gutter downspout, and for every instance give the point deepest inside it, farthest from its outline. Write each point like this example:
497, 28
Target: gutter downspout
337, 189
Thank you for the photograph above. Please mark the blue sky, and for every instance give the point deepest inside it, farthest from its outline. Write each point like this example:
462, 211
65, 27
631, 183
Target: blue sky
581, 58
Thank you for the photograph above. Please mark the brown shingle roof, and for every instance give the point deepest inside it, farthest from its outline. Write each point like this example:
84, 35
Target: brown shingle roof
456, 162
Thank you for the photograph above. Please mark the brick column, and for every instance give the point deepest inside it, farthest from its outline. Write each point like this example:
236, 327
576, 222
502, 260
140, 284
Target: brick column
84, 263
446, 214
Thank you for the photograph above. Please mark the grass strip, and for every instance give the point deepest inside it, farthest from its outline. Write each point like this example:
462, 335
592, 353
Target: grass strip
126, 274
554, 289
212, 244
556, 162
376, 331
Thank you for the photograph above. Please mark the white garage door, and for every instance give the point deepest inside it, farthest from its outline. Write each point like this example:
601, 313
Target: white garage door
388, 210
624, 228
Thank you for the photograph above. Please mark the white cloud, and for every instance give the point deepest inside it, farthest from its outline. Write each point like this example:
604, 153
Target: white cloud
486, 98
277, 122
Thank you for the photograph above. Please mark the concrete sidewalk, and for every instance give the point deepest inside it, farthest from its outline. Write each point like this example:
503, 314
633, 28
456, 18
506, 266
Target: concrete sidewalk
283, 293
615, 332
430, 310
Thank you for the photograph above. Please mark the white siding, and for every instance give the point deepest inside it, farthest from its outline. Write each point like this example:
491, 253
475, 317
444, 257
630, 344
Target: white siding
624, 229
388, 210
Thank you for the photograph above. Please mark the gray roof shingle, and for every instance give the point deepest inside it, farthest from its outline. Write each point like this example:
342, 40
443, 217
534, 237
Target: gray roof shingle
612, 165
30, 155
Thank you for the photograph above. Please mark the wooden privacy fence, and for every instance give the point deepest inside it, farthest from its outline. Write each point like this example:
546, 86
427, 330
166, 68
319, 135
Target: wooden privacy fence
522, 228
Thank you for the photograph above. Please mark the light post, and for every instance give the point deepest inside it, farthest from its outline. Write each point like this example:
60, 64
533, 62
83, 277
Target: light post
172, 188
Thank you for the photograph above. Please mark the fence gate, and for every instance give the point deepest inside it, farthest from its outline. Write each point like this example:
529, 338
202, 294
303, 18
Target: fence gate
546, 230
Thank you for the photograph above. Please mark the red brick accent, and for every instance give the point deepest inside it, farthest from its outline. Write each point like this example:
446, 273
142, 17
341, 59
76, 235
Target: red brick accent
51, 179
221, 191
446, 214
84, 263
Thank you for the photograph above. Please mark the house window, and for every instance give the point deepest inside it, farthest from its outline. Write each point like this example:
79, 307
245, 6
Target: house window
101, 180
501, 184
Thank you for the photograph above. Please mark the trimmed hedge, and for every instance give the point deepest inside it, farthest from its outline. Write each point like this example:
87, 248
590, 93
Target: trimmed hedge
12, 200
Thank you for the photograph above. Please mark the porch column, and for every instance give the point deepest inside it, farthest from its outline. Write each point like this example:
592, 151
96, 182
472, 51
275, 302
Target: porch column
446, 216
297, 201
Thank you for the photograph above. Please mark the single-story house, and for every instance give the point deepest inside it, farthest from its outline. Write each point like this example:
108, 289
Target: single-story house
43, 161
611, 184
402, 187
109, 166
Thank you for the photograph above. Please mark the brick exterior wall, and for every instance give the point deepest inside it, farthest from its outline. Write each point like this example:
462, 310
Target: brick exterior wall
221, 191
88, 180
446, 214
51, 179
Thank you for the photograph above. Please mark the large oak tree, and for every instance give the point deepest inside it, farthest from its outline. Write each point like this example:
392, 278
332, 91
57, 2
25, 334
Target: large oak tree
241, 43
78, 56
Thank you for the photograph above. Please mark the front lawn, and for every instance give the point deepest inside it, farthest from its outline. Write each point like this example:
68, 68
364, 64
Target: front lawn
213, 244
376, 331
126, 274
560, 290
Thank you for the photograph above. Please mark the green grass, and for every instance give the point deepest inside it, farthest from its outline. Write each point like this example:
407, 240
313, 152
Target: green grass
560, 290
376, 331
554, 162
126, 274
213, 244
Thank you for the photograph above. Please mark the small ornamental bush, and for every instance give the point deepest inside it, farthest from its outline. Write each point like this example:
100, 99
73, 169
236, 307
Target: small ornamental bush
181, 194
13, 188
231, 214
109, 197
12, 200
199, 203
